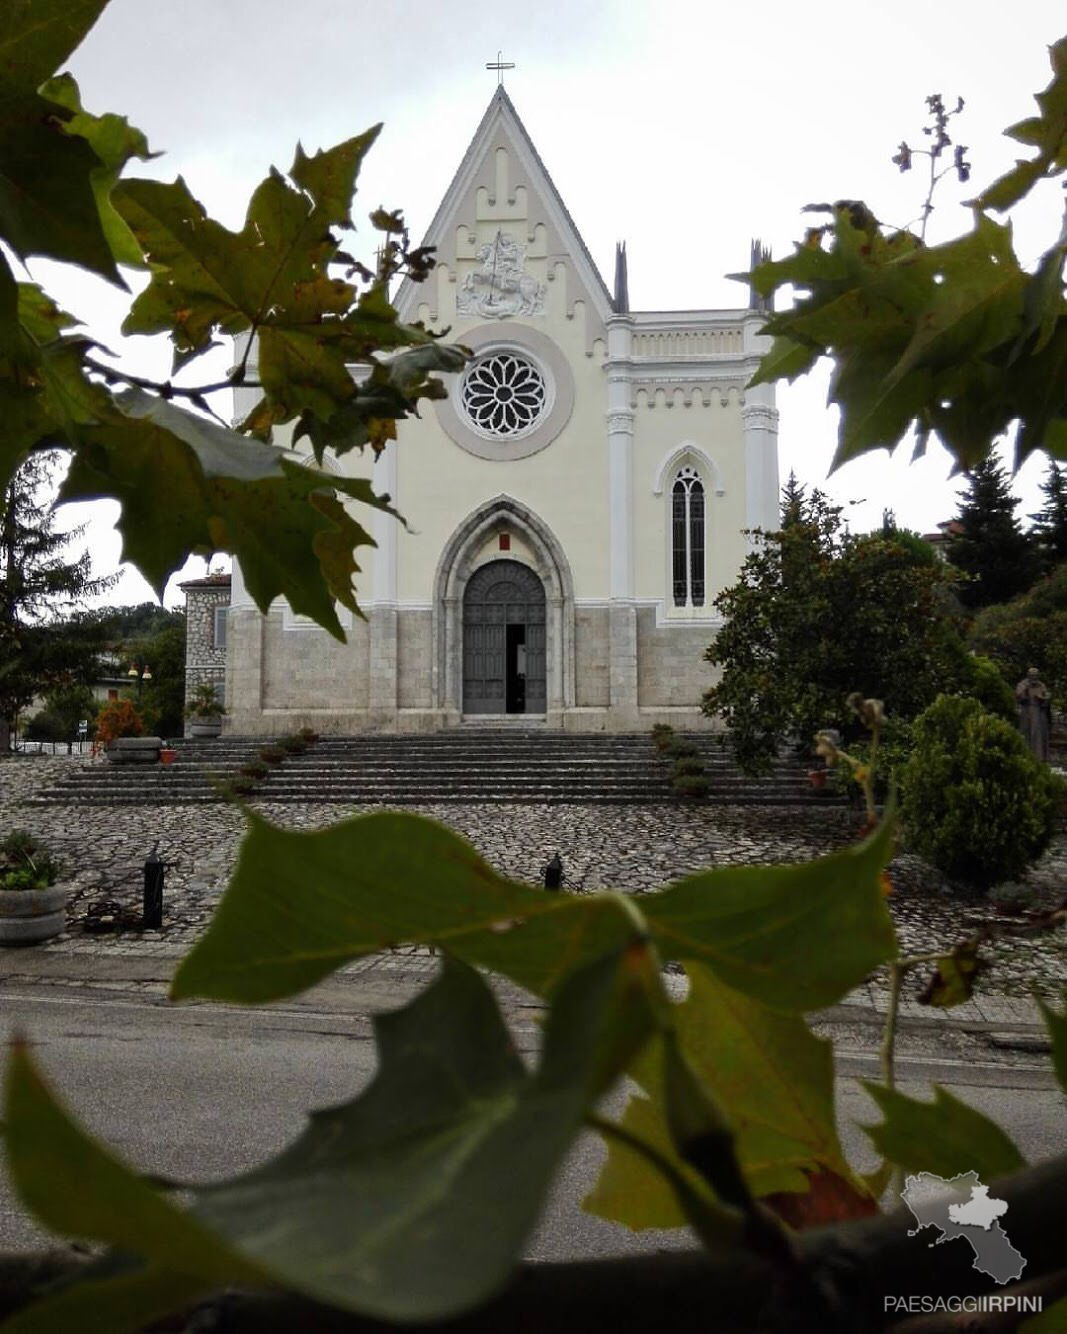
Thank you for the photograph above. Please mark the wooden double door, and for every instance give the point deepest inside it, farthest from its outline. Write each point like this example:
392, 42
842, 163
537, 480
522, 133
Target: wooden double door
504, 640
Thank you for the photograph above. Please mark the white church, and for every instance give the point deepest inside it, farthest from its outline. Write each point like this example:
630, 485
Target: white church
574, 506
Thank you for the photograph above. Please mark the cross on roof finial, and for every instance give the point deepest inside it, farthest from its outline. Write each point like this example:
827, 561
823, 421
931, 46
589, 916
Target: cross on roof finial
500, 66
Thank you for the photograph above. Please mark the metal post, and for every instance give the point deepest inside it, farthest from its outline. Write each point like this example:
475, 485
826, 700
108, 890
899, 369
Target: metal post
154, 870
554, 873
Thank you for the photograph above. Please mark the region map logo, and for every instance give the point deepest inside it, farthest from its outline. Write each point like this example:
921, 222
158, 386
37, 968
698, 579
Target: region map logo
963, 1208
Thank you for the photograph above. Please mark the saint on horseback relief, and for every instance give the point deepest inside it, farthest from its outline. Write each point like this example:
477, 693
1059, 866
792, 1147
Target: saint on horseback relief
500, 287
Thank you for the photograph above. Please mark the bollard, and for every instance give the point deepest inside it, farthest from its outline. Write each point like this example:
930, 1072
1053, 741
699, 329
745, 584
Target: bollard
154, 870
554, 873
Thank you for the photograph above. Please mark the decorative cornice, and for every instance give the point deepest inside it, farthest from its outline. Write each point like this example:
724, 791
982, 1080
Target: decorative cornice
620, 423
759, 417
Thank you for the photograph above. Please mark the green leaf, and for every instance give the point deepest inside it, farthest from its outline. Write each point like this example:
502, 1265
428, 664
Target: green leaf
787, 359
189, 485
976, 305
772, 1078
46, 1151
795, 936
1047, 133
272, 274
391, 1204
945, 1136
37, 36
47, 206
1056, 1023
115, 142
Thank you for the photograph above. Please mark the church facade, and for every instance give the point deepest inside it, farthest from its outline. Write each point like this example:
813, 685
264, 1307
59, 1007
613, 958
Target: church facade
573, 506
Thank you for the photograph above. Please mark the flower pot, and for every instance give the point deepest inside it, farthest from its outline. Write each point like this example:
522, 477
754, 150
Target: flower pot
167, 756
205, 727
817, 777
135, 750
28, 915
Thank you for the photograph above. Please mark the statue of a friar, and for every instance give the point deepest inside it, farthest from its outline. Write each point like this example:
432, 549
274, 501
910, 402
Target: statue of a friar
1035, 713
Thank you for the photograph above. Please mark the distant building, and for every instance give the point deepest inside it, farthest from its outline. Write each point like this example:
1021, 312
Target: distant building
207, 605
574, 505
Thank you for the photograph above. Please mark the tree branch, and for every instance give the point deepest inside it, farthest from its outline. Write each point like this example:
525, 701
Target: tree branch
855, 1266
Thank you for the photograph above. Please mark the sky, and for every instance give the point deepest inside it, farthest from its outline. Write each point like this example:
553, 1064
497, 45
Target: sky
684, 127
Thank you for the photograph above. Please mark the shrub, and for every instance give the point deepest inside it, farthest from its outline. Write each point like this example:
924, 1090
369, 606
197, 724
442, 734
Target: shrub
271, 754
690, 785
663, 736
688, 764
255, 769
987, 685
682, 748
293, 745
118, 717
25, 863
309, 735
974, 801
894, 751
239, 786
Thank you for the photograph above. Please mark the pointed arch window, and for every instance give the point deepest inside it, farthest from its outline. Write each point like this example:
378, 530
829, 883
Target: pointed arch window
687, 538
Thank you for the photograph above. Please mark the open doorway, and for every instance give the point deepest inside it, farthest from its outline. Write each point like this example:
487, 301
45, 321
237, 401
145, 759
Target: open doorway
515, 669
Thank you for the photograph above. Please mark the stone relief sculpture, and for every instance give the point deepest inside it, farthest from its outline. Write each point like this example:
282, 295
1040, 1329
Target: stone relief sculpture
500, 287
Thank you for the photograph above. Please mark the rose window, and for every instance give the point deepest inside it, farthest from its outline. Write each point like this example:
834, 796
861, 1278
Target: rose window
504, 394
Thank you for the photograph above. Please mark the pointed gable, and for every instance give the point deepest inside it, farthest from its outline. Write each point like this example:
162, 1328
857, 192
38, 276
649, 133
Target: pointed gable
502, 215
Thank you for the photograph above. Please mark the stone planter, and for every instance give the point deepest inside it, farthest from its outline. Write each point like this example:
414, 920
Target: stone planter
205, 727
135, 750
28, 915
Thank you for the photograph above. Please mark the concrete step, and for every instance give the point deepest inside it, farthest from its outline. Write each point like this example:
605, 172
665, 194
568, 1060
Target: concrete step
472, 765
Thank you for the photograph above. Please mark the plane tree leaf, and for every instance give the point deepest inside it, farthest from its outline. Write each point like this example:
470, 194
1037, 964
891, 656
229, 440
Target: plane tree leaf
945, 1136
187, 485
414, 1200
47, 203
302, 903
207, 278
772, 1078
114, 141
113, 1205
1046, 132
956, 339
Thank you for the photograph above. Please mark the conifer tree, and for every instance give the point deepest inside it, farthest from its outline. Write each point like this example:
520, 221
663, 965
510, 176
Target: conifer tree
991, 546
794, 501
43, 645
1049, 531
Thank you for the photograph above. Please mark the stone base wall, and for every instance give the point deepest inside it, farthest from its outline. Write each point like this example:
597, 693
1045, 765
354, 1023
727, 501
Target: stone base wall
671, 671
288, 678
592, 645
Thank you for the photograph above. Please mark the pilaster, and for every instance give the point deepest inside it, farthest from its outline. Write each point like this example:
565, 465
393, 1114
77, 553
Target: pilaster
759, 417
622, 619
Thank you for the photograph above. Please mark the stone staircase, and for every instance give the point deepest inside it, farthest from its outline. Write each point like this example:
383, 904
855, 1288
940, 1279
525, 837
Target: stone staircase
471, 765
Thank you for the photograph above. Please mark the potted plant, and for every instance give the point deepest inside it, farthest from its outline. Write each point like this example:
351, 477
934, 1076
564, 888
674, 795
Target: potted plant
204, 711
32, 905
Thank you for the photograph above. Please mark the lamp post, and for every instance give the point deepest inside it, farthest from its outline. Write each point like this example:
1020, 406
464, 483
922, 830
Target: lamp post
140, 672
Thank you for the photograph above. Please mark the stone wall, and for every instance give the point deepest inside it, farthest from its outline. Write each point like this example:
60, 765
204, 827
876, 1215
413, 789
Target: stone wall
204, 659
591, 652
672, 673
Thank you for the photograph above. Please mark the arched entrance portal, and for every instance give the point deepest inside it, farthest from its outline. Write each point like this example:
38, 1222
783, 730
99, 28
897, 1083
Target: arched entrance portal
504, 640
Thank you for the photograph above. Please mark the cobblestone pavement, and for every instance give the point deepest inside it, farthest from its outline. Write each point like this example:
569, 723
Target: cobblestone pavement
635, 848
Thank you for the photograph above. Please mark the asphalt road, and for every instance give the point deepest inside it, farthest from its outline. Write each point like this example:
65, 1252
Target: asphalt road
201, 1091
